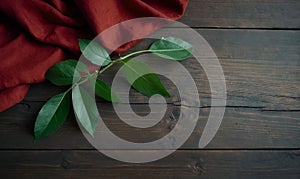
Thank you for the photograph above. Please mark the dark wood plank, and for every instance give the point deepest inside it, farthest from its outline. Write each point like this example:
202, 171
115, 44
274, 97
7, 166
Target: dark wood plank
261, 70
263, 108
243, 14
241, 128
181, 164
262, 74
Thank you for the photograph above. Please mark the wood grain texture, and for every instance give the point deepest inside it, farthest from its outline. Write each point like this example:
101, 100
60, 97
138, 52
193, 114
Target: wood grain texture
261, 68
258, 44
276, 14
241, 127
263, 102
181, 164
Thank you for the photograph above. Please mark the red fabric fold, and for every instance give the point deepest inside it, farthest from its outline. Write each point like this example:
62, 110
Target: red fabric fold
36, 34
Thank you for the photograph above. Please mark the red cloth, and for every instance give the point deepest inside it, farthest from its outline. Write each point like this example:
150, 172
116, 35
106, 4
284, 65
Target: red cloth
36, 34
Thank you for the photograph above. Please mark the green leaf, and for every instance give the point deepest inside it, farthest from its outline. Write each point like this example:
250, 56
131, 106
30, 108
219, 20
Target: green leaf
63, 73
94, 52
85, 109
104, 91
148, 84
172, 48
52, 115
81, 67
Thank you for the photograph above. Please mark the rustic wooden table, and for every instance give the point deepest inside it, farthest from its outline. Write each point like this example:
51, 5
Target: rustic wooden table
258, 44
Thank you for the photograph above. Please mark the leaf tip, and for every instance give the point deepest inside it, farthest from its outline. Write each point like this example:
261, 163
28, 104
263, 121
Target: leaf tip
83, 43
92, 134
167, 94
117, 100
35, 139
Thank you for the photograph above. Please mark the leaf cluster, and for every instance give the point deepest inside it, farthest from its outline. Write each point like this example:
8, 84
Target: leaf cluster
74, 73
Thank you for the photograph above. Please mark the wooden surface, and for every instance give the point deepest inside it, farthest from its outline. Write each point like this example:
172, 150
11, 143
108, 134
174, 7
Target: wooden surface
258, 44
